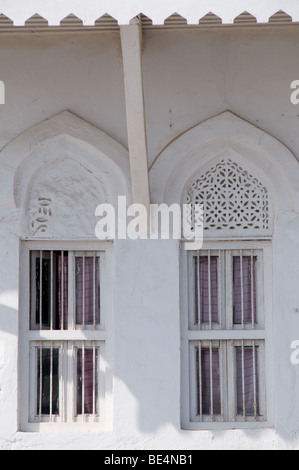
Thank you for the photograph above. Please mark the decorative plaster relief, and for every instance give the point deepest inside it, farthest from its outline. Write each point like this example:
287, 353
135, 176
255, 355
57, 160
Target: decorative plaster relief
67, 209
41, 213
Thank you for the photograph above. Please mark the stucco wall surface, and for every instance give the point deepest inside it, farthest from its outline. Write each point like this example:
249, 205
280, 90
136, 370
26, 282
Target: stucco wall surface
63, 136
54, 10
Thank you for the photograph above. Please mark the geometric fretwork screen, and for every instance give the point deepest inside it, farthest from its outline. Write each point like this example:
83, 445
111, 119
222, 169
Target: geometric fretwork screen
232, 198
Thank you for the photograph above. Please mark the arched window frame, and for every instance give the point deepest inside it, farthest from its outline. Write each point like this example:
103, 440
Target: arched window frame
65, 353
226, 308
187, 156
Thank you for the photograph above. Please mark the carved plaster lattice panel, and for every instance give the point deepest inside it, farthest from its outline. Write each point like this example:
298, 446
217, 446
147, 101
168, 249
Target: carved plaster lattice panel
232, 198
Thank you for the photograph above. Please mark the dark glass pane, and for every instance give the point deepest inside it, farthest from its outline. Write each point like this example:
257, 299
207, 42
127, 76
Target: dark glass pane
206, 297
43, 286
47, 367
89, 382
49, 290
247, 395
244, 278
87, 291
208, 378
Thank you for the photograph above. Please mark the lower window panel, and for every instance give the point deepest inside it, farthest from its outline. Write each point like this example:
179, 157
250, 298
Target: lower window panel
227, 381
47, 393
66, 381
247, 378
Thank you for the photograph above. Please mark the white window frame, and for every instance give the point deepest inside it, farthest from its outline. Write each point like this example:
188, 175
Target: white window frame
97, 337
227, 337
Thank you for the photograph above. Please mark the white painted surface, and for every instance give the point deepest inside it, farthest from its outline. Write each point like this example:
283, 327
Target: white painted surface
131, 40
124, 10
189, 78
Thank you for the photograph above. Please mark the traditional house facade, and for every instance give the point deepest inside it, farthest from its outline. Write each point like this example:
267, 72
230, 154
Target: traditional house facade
151, 343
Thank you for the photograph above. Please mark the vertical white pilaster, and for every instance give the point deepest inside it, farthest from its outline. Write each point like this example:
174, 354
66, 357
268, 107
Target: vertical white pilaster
131, 39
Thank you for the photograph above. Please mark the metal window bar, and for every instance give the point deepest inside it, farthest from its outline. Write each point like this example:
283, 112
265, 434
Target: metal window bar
228, 287
62, 290
243, 382
252, 289
52, 290
197, 309
74, 381
94, 381
40, 289
219, 290
40, 381
254, 381
83, 374
63, 347
199, 380
51, 380
84, 294
242, 288
94, 289
211, 383
209, 289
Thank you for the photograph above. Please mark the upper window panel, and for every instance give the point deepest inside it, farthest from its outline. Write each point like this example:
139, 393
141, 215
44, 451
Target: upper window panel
65, 290
233, 199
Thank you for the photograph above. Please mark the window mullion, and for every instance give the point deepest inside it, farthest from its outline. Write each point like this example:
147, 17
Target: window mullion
71, 291
229, 289
231, 381
51, 290
223, 379
62, 381
70, 361
70, 383
40, 290
220, 290
94, 263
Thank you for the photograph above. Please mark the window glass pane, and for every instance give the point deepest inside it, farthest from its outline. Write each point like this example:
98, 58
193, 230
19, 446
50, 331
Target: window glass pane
47, 381
206, 289
49, 290
247, 381
87, 381
87, 291
208, 382
42, 298
62, 288
244, 292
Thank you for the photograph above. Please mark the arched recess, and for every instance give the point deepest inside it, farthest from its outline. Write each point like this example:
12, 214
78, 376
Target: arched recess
62, 169
227, 137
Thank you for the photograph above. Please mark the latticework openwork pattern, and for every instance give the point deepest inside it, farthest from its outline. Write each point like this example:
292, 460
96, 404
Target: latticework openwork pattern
231, 197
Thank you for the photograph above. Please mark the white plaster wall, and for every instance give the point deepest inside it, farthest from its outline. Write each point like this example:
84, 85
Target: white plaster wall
124, 11
47, 74
192, 76
189, 77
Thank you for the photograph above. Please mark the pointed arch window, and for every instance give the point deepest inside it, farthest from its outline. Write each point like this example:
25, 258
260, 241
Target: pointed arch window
226, 319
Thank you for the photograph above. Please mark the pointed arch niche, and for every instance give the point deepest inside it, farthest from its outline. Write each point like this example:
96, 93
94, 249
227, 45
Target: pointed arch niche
63, 169
243, 176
